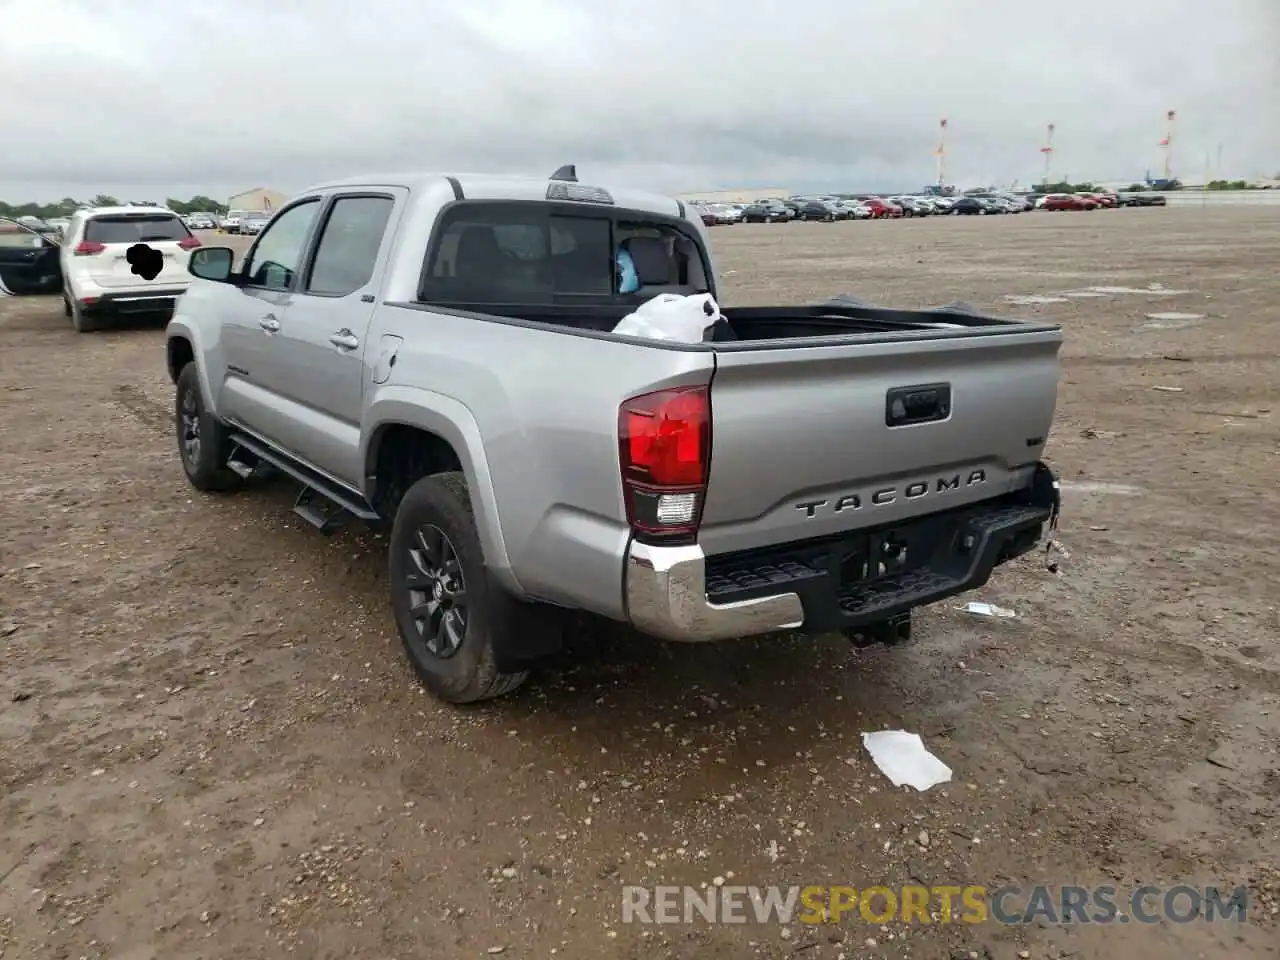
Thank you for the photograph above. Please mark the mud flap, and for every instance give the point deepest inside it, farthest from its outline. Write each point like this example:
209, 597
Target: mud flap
1046, 491
534, 632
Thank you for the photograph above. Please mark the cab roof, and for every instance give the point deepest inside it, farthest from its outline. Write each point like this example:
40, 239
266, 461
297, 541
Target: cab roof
489, 186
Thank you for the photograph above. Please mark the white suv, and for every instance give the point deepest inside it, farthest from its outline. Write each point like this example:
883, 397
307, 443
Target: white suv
98, 278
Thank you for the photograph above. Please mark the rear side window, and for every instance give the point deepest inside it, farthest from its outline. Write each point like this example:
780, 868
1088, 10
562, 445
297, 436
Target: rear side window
349, 245
501, 253
531, 253
134, 228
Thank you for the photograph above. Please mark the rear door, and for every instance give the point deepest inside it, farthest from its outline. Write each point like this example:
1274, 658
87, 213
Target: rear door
28, 261
108, 237
318, 362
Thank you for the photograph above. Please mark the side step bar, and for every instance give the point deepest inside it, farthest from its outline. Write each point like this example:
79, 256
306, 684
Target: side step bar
310, 505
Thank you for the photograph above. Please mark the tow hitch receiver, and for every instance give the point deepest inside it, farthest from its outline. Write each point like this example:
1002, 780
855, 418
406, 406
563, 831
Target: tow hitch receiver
891, 632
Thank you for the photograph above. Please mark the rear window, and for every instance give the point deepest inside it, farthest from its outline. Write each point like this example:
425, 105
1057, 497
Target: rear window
489, 252
135, 228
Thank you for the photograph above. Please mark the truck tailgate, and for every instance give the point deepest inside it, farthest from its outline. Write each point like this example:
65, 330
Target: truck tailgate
815, 440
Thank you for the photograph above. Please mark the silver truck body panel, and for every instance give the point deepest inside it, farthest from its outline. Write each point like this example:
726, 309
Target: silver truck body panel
808, 424
545, 421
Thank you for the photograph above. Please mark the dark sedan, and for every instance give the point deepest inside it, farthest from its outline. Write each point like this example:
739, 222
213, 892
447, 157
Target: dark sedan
970, 206
1141, 200
766, 212
819, 210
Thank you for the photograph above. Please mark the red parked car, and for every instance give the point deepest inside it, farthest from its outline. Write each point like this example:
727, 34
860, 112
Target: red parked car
1068, 201
880, 208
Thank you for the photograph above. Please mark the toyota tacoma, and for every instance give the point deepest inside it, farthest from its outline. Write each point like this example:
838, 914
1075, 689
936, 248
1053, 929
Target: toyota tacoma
435, 354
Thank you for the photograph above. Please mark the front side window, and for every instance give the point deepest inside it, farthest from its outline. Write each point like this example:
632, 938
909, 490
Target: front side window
274, 262
348, 247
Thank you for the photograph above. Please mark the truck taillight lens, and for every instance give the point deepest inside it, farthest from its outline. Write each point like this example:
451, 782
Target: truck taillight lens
664, 446
88, 248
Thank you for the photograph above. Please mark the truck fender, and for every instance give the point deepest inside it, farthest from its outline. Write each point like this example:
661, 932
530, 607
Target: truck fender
453, 422
179, 329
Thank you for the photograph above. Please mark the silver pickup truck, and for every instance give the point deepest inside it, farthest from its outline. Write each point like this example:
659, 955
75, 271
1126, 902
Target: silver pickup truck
436, 353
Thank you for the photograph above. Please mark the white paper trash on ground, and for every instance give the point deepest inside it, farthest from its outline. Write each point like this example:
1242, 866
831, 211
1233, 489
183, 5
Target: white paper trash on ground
670, 316
980, 609
902, 757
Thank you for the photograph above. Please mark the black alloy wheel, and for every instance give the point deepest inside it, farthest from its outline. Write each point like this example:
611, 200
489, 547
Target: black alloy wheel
189, 437
437, 591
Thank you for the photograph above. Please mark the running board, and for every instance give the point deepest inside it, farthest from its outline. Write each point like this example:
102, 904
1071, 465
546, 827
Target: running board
313, 484
325, 515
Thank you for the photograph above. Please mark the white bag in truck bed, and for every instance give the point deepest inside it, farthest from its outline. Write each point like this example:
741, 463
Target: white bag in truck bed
669, 316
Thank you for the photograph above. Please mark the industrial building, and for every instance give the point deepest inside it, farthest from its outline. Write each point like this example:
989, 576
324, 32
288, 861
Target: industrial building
259, 199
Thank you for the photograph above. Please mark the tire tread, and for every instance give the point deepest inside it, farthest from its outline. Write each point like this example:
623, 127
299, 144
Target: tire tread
447, 493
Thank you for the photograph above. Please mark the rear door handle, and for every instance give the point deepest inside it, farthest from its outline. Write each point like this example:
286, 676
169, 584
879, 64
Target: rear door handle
344, 339
269, 323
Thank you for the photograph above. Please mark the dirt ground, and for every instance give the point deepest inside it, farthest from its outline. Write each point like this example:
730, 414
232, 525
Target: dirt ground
211, 745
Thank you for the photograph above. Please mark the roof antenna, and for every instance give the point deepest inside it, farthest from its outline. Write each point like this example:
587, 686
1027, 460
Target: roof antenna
567, 173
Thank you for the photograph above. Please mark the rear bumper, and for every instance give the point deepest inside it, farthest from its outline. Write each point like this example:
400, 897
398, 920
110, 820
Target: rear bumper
677, 593
118, 303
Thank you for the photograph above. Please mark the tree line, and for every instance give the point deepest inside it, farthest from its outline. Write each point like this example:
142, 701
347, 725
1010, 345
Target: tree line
1062, 186
69, 205
1231, 185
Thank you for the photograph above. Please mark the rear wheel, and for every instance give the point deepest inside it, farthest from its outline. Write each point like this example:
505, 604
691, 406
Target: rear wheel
81, 321
452, 617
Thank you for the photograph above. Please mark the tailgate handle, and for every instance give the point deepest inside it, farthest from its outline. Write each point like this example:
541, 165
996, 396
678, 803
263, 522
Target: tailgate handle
923, 403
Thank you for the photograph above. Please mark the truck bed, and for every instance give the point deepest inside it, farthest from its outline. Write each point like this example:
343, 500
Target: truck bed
752, 326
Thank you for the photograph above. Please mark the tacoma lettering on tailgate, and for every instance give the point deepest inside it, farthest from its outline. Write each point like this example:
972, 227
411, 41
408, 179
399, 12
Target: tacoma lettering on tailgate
886, 495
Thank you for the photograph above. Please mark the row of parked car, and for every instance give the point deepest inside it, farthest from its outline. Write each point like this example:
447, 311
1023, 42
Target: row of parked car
871, 207
248, 222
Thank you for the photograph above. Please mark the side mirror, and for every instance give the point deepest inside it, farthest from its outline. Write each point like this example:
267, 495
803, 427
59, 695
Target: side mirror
212, 263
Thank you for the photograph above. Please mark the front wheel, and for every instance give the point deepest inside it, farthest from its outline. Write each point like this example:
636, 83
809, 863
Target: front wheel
202, 438
452, 618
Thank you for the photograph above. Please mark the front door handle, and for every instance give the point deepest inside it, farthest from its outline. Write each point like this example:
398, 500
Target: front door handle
269, 323
344, 339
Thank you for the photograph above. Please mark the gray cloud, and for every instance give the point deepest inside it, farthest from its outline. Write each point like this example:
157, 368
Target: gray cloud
154, 98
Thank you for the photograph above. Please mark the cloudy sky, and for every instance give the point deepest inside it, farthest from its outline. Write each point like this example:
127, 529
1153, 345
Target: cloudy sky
155, 98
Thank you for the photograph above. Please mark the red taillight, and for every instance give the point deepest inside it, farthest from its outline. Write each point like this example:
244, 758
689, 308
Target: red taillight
189, 243
664, 446
87, 248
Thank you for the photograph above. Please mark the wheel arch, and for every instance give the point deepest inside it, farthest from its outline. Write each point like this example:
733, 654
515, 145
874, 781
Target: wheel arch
183, 345
412, 433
